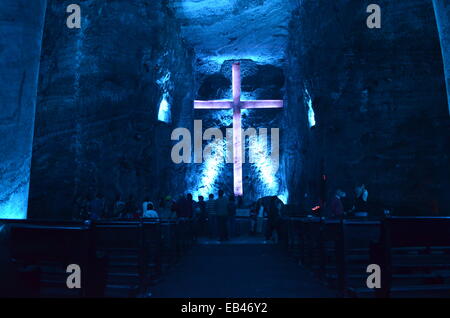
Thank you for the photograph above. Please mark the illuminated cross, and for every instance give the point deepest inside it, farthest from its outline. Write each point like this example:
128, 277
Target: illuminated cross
236, 104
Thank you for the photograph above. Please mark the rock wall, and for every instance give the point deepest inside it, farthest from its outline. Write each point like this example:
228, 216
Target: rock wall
380, 106
21, 25
442, 10
100, 88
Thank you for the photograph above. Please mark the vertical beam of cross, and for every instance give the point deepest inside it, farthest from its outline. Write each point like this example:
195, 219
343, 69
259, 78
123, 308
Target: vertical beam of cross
237, 104
237, 131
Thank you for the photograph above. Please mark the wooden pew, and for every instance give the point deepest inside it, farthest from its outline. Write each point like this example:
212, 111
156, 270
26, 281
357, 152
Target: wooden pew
414, 256
169, 243
338, 251
303, 236
126, 256
345, 253
122, 243
139, 251
41, 251
153, 249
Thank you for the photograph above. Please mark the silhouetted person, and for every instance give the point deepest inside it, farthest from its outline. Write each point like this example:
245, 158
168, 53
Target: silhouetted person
119, 207
144, 204
240, 201
222, 216
361, 196
97, 207
185, 207
273, 208
336, 206
165, 209
232, 215
131, 210
212, 216
202, 215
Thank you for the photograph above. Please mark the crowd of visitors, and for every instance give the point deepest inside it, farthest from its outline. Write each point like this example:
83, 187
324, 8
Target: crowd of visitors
215, 217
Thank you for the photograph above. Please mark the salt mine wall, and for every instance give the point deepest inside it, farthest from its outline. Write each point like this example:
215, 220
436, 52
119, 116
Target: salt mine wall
380, 104
21, 23
442, 10
100, 88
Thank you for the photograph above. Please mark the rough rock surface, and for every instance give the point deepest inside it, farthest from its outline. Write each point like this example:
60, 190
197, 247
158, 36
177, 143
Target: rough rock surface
379, 98
380, 103
221, 30
21, 25
442, 9
100, 87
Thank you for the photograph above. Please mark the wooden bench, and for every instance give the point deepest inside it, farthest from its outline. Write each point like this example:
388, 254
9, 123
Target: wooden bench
40, 253
126, 256
122, 243
345, 252
303, 240
414, 256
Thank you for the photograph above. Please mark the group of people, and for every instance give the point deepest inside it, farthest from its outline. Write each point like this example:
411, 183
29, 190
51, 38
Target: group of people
221, 216
214, 217
98, 208
341, 206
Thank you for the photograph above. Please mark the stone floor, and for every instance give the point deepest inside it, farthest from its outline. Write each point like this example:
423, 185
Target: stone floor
245, 267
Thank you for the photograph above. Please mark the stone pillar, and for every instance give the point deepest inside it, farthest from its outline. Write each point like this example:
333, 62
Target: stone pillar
442, 9
21, 27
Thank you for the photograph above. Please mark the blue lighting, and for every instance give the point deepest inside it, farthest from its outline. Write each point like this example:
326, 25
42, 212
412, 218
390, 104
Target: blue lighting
15, 207
211, 169
284, 196
225, 117
164, 113
311, 115
263, 166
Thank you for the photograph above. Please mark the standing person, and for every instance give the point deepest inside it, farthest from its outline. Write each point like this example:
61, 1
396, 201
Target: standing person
145, 204
185, 207
150, 212
361, 207
232, 216
222, 216
165, 210
273, 209
97, 207
212, 216
202, 216
119, 207
336, 206
131, 210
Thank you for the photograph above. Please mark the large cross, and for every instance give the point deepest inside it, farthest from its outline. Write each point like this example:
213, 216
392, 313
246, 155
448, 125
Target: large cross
237, 104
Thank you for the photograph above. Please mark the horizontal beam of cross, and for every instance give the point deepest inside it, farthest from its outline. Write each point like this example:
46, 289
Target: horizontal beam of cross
228, 104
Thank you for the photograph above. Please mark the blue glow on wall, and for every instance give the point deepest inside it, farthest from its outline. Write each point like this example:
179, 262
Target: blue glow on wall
211, 169
311, 114
284, 196
15, 207
164, 112
263, 166
224, 117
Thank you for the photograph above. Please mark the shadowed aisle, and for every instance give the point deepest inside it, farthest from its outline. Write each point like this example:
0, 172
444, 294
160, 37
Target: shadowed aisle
239, 270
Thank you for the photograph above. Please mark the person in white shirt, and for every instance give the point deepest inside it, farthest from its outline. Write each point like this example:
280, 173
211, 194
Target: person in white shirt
150, 212
144, 205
